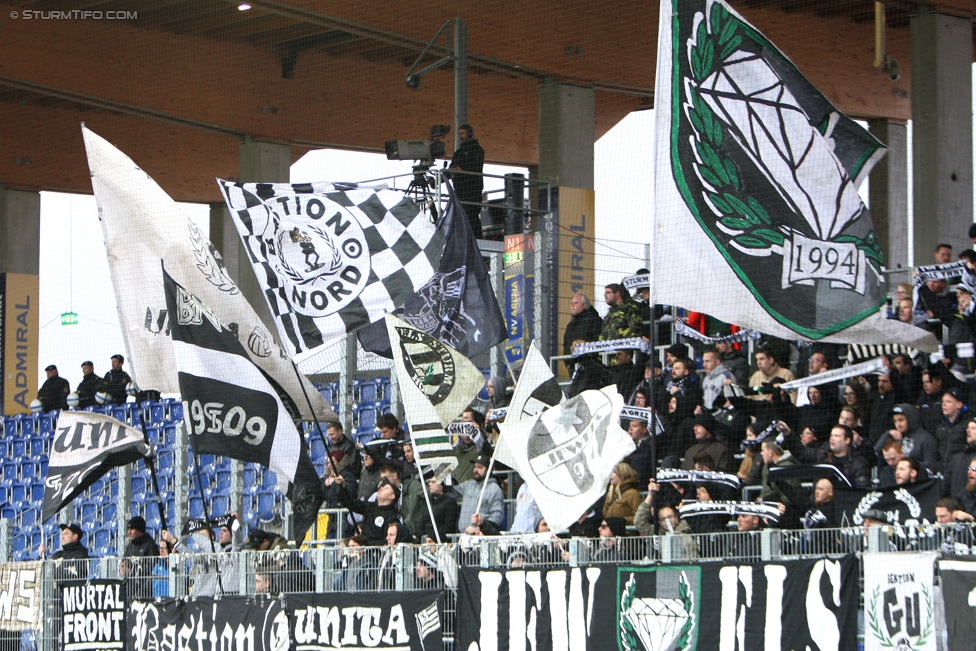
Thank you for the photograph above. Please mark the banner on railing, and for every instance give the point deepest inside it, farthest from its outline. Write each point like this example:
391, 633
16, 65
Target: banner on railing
205, 623
899, 610
958, 578
787, 605
378, 620
20, 596
902, 504
93, 615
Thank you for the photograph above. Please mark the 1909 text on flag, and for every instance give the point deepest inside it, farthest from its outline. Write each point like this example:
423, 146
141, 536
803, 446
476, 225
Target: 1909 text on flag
332, 260
231, 406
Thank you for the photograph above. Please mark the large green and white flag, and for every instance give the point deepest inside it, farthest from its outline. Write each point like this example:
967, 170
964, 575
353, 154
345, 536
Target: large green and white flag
436, 384
758, 221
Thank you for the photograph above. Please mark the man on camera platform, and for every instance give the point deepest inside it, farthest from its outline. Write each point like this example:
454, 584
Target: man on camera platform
469, 157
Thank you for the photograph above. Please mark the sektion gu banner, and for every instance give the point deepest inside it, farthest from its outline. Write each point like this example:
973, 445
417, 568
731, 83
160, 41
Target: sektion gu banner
807, 604
204, 624
385, 620
899, 609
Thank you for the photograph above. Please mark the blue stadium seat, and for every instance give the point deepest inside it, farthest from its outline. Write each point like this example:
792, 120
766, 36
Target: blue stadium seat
169, 436
5, 492
220, 505
37, 492
20, 491
249, 475
317, 447
196, 507
367, 391
28, 470
19, 449
44, 464
164, 459
37, 448
103, 537
364, 435
27, 426
175, 412
266, 506
20, 542
269, 480
119, 413
10, 473
11, 427
8, 513
151, 510
139, 485
222, 479
364, 415
45, 424
109, 512
28, 518
89, 512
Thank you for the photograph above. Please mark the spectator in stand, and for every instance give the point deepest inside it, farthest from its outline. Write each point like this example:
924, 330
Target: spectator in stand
376, 515
369, 476
735, 361
71, 561
445, 507
137, 562
929, 402
527, 512
892, 453
932, 300
950, 434
467, 449
958, 461
115, 381
389, 427
850, 417
160, 571
413, 506
493, 503
967, 496
953, 315
684, 380
908, 471
915, 441
589, 373
624, 318
856, 395
820, 411
499, 392
906, 313
584, 325
626, 375
882, 402
679, 431
788, 491
607, 548
640, 458
808, 437
716, 375
622, 497
707, 443
948, 510
838, 455
906, 378
53, 394
821, 515
816, 365
89, 385
769, 369
339, 441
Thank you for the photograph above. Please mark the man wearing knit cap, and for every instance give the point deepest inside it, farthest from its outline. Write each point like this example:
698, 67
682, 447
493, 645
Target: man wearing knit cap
141, 547
707, 443
493, 503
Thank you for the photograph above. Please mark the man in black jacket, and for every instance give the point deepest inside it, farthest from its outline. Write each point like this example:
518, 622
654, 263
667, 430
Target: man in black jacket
73, 555
469, 157
89, 385
116, 380
840, 455
143, 549
54, 392
378, 515
585, 325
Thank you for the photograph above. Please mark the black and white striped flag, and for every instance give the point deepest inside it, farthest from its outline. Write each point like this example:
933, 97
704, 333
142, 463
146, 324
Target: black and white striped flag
332, 260
231, 407
437, 383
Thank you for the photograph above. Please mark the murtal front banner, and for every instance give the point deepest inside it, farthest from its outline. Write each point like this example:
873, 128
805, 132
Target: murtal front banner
19, 305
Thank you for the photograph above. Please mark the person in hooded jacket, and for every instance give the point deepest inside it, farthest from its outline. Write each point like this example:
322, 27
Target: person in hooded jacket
950, 434
915, 441
820, 411
957, 465
588, 374
704, 427
678, 426
623, 498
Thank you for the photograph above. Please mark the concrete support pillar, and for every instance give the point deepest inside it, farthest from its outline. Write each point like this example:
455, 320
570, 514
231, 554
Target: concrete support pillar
566, 136
20, 231
942, 131
261, 162
889, 196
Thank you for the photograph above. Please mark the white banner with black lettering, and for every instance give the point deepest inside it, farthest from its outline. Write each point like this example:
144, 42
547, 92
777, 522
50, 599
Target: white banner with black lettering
401, 621
20, 596
86, 445
805, 604
899, 606
93, 615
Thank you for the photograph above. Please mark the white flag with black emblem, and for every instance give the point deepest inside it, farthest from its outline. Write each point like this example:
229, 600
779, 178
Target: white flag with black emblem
330, 259
436, 384
536, 391
143, 225
566, 453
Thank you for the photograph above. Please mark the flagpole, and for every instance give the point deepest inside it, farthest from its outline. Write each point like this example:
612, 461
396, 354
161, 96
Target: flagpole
484, 484
152, 470
423, 485
652, 417
206, 514
315, 419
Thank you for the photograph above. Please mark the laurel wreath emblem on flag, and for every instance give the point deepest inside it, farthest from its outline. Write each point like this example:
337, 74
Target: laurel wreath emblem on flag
428, 363
754, 156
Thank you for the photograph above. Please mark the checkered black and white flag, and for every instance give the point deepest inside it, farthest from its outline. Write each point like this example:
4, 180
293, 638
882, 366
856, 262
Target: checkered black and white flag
332, 260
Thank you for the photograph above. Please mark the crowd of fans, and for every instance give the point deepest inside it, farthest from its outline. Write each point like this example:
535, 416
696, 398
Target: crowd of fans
55, 393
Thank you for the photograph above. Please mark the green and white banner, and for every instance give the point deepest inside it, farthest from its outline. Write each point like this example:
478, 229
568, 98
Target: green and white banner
899, 609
